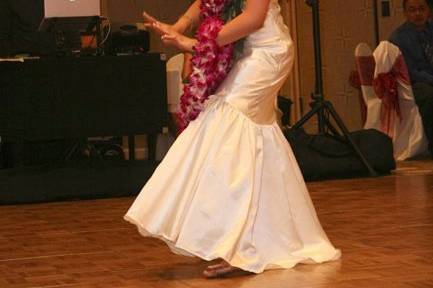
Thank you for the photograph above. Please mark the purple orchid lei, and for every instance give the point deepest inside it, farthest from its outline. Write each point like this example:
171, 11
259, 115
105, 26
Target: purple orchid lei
211, 63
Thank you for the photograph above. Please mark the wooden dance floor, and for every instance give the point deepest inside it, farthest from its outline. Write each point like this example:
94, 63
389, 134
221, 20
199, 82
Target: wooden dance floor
384, 227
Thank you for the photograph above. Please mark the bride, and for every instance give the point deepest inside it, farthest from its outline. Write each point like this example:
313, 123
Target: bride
230, 187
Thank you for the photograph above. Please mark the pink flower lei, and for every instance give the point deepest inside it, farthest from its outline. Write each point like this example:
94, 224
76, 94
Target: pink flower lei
211, 63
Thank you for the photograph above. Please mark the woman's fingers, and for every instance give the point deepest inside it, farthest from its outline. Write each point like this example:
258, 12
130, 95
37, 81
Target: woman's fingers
171, 39
168, 37
163, 28
152, 23
179, 41
149, 22
160, 28
155, 27
148, 18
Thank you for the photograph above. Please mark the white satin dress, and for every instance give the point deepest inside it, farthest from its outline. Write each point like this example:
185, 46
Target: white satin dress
230, 186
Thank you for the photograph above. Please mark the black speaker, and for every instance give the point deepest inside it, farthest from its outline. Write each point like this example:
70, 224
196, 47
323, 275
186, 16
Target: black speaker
128, 40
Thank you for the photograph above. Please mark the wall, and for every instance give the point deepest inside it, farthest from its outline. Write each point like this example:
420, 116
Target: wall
388, 24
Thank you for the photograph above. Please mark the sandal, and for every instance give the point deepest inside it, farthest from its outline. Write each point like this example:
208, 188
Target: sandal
220, 270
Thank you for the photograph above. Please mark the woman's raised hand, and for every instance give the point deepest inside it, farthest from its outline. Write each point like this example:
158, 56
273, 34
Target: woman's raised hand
179, 41
151, 23
169, 35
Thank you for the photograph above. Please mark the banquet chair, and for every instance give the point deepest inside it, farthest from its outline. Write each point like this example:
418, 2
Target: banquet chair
365, 65
399, 116
174, 81
174, 90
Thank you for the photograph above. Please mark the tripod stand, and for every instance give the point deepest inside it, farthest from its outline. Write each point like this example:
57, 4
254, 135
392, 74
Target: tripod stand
324, 108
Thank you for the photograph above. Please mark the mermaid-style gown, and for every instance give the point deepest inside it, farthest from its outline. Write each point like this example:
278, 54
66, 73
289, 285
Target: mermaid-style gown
230, 186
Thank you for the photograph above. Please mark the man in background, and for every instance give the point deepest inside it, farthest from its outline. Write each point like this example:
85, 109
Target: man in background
19, 23
415, 40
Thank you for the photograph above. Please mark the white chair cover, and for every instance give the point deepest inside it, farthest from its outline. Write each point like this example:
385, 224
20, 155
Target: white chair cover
365, 65
174, 81
174, 90
403, 123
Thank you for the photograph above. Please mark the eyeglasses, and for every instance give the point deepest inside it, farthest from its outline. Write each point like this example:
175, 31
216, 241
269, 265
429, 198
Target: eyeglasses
413, 10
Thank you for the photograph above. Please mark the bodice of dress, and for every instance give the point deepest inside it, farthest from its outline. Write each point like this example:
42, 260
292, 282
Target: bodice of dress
273, 30
257, 75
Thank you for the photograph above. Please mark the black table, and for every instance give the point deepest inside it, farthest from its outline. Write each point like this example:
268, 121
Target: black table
72, 97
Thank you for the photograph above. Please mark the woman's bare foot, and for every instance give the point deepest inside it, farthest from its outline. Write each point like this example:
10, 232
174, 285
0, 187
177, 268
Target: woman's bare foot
220, 269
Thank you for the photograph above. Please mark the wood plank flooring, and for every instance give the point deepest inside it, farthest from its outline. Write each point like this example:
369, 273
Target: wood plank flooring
384, 227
